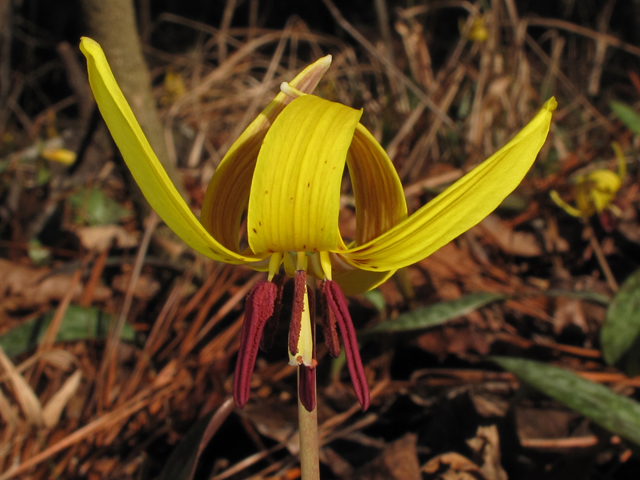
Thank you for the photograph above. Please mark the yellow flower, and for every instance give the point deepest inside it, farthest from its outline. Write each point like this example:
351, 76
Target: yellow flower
285, 171
478, 31
594, 192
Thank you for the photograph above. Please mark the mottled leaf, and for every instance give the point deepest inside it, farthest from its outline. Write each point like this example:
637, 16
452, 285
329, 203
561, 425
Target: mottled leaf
627, 115
437, 314
616, 413
622, 324
78, 324
93, 207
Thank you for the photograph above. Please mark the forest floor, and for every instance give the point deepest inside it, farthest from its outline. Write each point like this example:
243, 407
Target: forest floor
118, 343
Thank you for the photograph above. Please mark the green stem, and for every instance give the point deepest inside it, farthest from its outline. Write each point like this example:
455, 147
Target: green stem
309, 447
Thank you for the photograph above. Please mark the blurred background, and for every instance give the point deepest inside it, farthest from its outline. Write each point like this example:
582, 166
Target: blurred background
510, 353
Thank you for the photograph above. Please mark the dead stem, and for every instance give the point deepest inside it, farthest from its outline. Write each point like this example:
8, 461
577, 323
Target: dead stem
604, 265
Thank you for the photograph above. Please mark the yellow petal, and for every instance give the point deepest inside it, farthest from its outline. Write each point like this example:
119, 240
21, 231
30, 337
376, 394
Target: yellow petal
228, 191
143, 163
380, 206
565, 206
598, 190
61, 155
622, 162
378, 193
295, 193
459, 207
354, 281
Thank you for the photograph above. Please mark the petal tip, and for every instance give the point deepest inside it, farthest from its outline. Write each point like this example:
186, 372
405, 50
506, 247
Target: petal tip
326, 60
551, 104
88, 45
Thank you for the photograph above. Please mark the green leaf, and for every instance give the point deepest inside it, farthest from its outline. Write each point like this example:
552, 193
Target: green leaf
95, 208
616, 413
184, 459
376, 298
627, 115
580, 295
622, 324
78, 324
437, 314
181, 462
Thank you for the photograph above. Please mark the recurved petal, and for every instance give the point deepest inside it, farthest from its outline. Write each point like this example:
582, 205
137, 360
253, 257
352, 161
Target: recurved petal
228, 191
143, 163
380, 206
459, 207
295, 193
352, 280
378, 193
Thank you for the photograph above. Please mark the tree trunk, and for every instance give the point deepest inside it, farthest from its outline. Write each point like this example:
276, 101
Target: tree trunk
112, 24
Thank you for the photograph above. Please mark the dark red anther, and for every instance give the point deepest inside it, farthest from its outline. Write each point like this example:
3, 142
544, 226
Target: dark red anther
330, 328
296, 311
337, 303
608, 220
271, 326
307, 387
259, 308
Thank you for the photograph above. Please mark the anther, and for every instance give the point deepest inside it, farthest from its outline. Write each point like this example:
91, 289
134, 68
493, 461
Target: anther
271, 326
258, 310
337, 303
330, 328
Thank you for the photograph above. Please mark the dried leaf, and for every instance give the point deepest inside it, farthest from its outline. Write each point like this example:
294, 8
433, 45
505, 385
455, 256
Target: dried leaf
7, 412
26, 288
53, 409
522, 244
24, 394
145, 288
102, 237
486, 445
398, 461
450, 461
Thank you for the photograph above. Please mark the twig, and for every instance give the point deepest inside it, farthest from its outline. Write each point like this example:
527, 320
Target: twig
122, 413
604, 265
387, 63
108, 367
610, 40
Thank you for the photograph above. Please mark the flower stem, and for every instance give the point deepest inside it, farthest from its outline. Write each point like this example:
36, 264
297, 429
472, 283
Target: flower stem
309, 448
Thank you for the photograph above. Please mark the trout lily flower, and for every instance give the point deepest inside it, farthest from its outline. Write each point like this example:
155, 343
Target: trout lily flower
285, 172
595, 192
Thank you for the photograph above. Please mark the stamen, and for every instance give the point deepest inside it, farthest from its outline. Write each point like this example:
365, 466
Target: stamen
330, 328
259, 308
307, 387
289, 261
302, 261
337, 303
274, 264
296, 311
325, 261
271, 327
290, 91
